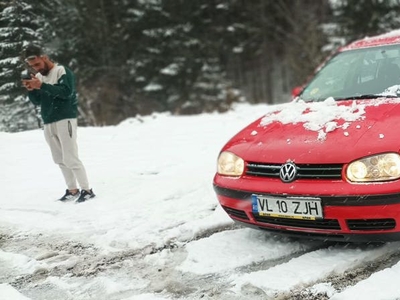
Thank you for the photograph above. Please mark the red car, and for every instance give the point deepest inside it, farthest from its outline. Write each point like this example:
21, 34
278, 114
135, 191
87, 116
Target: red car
326, 165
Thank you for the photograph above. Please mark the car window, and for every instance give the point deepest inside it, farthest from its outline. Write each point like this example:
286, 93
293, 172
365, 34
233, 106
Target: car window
369, 71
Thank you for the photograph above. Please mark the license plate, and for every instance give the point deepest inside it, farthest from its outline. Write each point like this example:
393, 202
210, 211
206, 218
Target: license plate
306, 208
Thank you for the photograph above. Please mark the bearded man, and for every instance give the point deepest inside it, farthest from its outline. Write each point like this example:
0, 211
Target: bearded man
52, 86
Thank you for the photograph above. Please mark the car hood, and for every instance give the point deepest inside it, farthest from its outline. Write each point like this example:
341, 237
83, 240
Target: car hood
320, 132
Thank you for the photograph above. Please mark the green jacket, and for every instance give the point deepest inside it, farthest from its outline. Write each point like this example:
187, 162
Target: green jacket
57, 95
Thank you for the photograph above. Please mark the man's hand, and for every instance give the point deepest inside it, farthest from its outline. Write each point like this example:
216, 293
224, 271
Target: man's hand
33, 84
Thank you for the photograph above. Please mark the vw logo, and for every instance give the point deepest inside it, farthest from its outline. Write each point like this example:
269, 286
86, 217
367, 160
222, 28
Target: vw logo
288, 172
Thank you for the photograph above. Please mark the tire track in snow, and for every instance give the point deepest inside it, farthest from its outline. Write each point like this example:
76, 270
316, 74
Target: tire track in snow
60, 257
70, 259
213, 277
304, 271
349, 278
340, 265
270, 263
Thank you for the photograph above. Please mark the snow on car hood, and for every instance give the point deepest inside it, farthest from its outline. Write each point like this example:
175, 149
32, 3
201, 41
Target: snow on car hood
321, 117
321, 132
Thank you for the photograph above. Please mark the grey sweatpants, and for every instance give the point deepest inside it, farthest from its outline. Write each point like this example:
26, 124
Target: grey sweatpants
61, 137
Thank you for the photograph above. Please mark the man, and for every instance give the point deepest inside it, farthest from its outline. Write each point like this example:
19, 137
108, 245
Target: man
53, 88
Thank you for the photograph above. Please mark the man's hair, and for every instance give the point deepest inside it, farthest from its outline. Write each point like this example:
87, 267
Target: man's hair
31, 51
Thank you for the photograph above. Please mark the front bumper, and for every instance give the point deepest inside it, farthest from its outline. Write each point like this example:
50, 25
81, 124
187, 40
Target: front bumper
355, 218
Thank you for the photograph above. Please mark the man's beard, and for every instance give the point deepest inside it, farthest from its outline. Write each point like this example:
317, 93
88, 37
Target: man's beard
45, 70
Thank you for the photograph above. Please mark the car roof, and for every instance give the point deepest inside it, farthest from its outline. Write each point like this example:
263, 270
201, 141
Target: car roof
389, 38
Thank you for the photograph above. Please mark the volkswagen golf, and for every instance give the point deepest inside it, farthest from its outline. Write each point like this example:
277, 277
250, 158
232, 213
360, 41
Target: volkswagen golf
326, 165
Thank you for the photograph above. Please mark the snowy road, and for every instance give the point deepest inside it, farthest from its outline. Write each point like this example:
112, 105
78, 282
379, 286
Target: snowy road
156, 231
40, 267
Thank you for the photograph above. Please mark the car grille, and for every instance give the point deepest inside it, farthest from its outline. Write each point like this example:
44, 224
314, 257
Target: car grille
310, 235
236, 213
371, 224
315, 224
304, 171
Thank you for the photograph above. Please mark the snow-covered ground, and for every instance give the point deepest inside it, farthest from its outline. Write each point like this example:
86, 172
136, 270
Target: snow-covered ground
155, 229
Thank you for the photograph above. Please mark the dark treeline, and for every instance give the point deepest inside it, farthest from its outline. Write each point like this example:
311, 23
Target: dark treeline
135, 57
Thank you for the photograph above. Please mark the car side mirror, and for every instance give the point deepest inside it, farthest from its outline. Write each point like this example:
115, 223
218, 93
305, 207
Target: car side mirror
296, 91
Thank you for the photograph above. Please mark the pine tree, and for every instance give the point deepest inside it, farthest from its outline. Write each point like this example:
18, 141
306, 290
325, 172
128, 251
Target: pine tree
177, 57
358, 19
18, 27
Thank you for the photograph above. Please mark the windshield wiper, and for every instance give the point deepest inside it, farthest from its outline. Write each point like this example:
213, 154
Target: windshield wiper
366, 96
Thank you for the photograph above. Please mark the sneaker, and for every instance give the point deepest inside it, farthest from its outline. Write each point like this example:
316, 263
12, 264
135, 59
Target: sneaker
85, 195
69, 196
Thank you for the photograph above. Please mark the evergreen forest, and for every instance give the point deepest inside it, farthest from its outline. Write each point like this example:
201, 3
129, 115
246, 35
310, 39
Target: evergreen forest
137, 57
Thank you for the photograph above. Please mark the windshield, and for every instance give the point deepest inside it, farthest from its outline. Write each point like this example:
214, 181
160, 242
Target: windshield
357, 74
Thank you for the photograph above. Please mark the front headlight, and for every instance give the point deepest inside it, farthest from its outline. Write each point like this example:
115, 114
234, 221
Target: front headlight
230, 164
375, 168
